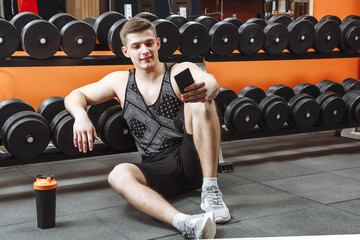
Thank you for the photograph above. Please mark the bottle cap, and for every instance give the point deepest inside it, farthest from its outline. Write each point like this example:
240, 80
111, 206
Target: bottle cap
45, 182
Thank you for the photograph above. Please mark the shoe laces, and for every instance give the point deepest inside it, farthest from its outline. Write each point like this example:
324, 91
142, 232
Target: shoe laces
214, 196
189, 232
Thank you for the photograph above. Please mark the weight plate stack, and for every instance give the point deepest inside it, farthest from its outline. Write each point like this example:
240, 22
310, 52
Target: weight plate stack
258, 21
25, 134
281, 90
331, 17
194, 40
177, 19
50, 107
330, 86
169, 36
95, 111
276, 38
303, 111
350, 84
283, 19
273, 113
241, 115
302, 36
307, 88
103, 24
40, 39
350, 36
332, 109
9, 39
352, 101
224, 38
234, 21
62, 133
224, 98
310, 18
23, 18
207, 21
251, 38
147, 15
114, 41
61, 19
350, 17
327, 36
252, 92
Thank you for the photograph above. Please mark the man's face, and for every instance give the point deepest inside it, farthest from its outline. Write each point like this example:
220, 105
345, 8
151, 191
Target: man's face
142, 48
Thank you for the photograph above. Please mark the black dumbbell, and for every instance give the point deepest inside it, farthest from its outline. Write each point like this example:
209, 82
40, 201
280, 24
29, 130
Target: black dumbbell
235, 21
327, 36
24, 133
303, 109
9, 39
350, 84
352, 101
251, 38
39, 38
78, 39
310, 18
240, 114
302, 35
283, 19
350, 35
273, 109
331, 17
331, 86
349, 17
177, 19
113, 129
167, 31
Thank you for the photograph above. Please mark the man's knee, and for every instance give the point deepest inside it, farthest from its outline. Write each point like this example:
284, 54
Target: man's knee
123, 175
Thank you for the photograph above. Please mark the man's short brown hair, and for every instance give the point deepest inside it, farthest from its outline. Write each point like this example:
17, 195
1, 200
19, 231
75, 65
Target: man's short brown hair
135, 25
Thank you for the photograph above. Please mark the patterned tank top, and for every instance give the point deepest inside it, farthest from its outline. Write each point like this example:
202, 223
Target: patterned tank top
158, 126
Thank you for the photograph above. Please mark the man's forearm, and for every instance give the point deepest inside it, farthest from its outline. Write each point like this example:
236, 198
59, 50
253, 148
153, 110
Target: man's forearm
76, 103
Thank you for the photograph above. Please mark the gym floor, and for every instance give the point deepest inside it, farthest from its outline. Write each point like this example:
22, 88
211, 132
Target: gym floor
298, 185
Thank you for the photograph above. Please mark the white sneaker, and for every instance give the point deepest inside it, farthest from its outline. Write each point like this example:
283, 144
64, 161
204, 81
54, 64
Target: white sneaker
200, 226
212, 201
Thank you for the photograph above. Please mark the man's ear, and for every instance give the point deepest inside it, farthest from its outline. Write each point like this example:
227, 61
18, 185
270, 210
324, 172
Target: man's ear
158, 43
124, 50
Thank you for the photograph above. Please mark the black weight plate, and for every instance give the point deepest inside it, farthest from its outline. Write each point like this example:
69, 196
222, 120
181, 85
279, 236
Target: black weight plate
330, 86
258, 21
273, 113
276, 38
103, 24
234, 21
194, 39
281, 90
327, 36
27, 135
224, 98
352, 101
241, 115
114, 41
307, 88
95, 111
117, 133
9, 39
61, 19
62, 137
252, 92
283, 19
302, 36
224, 38
12, 106
50, 107
23, 18
351, 17
102, 120
350, 36
207, 21
78, 39
58, 117
331, 17
147, 15
90, 20
40, 39
251, 38
304, 111
177, 19
310, 18
350, 84
169, 36
332, 110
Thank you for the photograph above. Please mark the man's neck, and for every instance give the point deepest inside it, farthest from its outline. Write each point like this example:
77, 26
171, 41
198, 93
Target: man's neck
150, 74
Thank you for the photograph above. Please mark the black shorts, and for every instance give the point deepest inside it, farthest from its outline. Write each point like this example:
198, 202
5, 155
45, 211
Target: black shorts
175, 170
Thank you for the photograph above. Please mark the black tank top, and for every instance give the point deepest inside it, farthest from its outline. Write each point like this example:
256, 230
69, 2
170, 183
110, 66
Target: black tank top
158, 126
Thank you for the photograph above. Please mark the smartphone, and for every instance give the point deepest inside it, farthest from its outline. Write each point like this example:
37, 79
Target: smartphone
184, 79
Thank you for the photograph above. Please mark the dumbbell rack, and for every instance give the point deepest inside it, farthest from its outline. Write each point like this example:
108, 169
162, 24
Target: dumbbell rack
51, 154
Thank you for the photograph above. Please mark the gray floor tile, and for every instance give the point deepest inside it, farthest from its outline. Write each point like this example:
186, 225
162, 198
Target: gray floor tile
324, 188
14, 182
322, 220
353, 173
352, 206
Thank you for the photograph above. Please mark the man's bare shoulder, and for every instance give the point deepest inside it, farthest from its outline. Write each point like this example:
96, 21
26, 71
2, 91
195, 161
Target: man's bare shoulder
121, 76
178, 67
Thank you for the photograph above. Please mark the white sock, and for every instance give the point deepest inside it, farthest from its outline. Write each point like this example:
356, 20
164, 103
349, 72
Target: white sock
178, 221
208, 182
